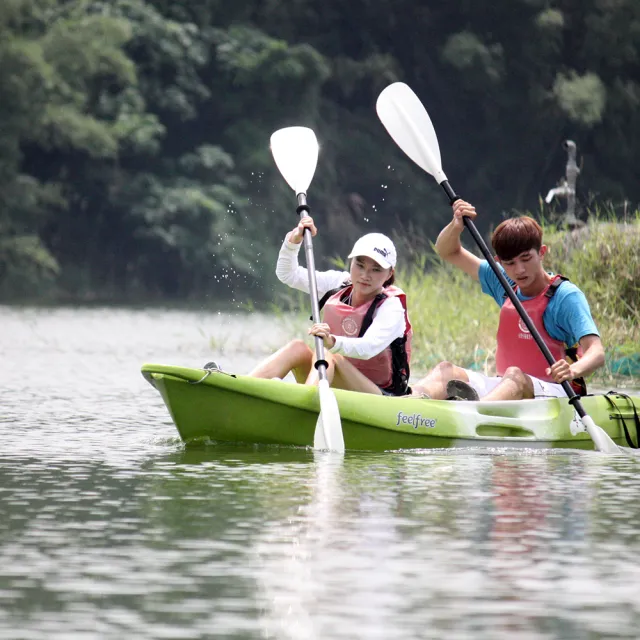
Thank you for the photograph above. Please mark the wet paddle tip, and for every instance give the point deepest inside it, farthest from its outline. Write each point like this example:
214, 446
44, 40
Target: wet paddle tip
601, 438
328, 434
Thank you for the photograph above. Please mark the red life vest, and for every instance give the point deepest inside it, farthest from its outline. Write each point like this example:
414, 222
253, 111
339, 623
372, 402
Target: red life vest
517, 347
390, 368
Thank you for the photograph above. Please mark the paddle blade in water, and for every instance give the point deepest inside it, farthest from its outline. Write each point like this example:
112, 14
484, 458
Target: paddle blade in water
328, 433
409, 124
600, 437
295, 151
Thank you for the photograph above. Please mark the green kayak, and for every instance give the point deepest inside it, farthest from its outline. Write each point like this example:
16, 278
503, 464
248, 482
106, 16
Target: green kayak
216, 406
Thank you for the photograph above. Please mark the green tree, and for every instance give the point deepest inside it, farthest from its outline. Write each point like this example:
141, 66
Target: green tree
42, 66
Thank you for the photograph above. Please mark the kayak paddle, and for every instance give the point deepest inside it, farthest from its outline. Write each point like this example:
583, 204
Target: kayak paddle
408, 123
295, 151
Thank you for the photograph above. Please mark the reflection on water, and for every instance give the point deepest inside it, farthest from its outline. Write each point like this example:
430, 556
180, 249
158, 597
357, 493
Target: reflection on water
466, 546
110, 529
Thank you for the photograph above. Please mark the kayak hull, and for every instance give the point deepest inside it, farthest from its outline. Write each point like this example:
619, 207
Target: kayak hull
219, 407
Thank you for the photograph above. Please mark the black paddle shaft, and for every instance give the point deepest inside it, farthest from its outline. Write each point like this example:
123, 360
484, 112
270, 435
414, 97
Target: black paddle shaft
573, 397
321, 364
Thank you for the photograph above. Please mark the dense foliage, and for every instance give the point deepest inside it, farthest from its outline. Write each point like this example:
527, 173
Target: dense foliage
134, 156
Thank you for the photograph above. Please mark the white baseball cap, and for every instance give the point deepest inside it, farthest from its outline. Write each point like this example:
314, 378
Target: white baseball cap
377, 247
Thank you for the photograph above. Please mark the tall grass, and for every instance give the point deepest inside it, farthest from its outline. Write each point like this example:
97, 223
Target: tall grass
603, 259
452, 319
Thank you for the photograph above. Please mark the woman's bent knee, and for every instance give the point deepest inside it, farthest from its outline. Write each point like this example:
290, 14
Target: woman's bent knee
298, 346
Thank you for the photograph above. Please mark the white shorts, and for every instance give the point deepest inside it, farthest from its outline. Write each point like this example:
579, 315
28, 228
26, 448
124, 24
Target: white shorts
542, 389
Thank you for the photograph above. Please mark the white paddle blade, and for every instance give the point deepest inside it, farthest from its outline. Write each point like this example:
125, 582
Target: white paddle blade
328, 433
295, 150
600, 437
409, 124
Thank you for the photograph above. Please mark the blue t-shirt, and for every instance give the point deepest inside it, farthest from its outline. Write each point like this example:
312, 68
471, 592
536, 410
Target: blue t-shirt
567, 317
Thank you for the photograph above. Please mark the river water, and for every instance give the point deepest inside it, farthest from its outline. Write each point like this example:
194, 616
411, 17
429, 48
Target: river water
110, 528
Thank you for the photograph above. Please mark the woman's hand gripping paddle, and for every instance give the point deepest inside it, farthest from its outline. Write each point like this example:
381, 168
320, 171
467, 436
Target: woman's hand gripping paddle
295, 151
408, 123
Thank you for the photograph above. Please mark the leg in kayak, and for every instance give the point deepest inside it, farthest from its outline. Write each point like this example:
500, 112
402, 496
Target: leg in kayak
447, 380
295, 357
346, 376
298, 358
515, 385
434, 384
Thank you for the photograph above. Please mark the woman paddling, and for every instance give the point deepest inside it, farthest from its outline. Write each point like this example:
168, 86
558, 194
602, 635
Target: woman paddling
365, 329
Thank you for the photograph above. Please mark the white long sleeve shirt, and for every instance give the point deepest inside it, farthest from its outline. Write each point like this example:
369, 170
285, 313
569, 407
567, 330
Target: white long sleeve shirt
388, 322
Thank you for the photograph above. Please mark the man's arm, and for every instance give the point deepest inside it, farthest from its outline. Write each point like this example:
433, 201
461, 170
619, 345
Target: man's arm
571, 322
592, 359
448, 244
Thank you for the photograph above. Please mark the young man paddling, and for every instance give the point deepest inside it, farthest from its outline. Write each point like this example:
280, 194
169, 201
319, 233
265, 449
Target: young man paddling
558, 309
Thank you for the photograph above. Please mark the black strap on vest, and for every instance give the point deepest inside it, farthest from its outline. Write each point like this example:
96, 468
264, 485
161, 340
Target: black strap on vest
368, 317
553, 287
330, 293
618, 415
400, 362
